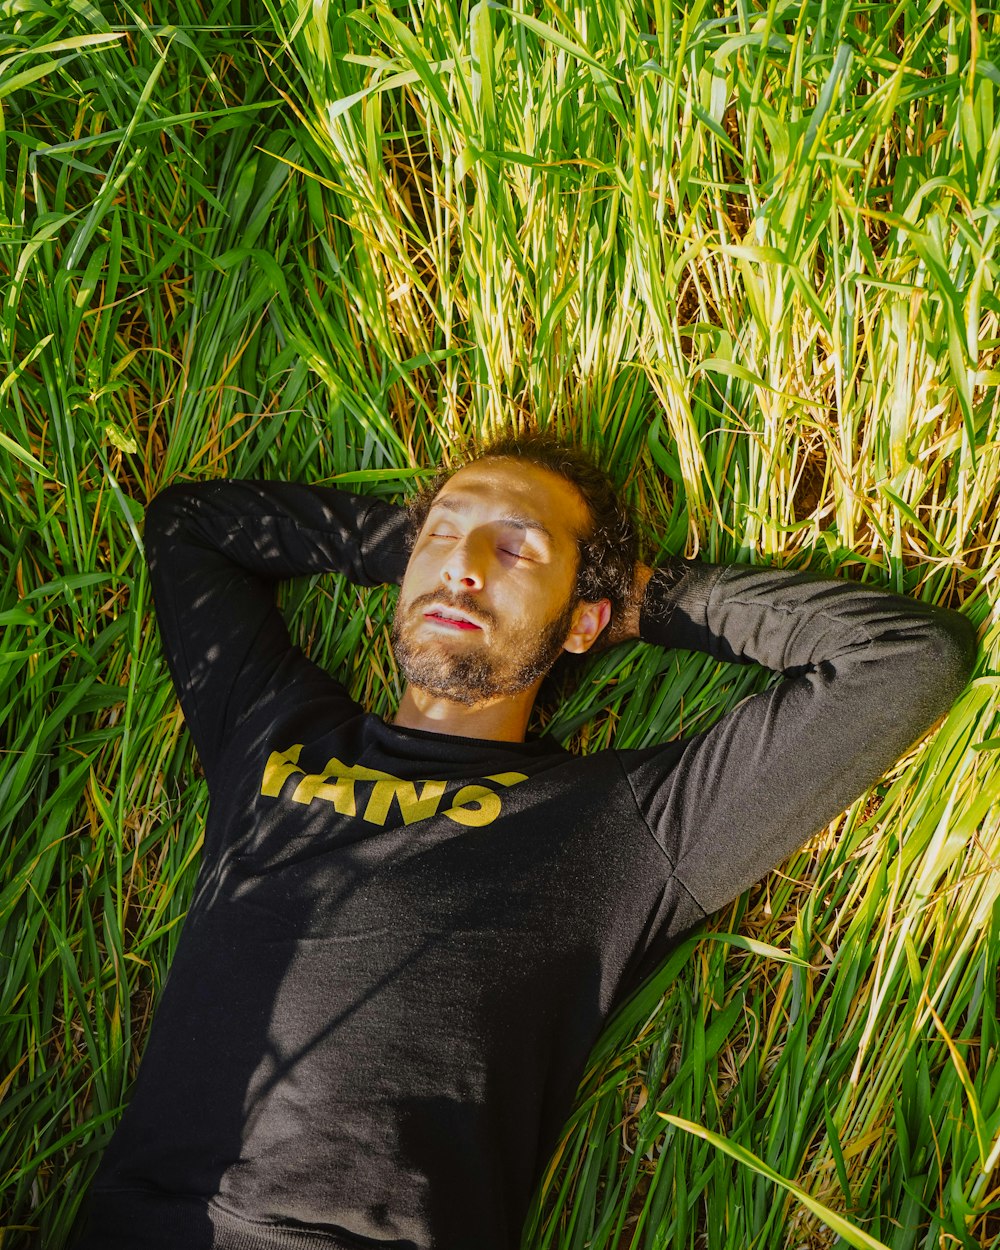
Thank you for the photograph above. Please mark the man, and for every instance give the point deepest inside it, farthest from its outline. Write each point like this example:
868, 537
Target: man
405, 935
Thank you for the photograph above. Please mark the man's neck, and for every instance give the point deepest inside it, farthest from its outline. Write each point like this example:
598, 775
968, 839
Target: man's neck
504, 719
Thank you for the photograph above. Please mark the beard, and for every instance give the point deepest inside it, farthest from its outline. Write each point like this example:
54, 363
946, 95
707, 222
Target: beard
508, 667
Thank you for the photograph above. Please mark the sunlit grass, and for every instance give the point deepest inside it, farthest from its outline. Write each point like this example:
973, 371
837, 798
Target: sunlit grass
751, 255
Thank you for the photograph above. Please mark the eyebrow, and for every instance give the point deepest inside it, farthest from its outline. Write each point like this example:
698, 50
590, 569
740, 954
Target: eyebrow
514, 520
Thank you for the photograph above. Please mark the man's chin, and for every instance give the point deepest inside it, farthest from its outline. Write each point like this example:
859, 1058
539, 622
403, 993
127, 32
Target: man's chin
437, 682
469, 680
438, 672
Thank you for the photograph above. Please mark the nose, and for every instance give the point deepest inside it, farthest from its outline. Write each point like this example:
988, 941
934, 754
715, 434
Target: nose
464, 567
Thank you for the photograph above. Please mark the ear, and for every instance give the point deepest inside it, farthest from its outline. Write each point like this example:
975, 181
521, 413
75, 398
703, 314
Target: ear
588, 621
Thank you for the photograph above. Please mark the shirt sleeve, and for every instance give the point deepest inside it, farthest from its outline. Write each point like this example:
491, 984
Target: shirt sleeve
215, 550
864, 673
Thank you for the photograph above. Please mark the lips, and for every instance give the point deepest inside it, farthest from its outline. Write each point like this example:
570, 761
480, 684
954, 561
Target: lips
449, 618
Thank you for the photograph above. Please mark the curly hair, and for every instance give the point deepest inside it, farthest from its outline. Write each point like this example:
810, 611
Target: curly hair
607, 553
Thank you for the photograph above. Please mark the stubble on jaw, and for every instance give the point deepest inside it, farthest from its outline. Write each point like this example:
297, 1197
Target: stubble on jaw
481, 674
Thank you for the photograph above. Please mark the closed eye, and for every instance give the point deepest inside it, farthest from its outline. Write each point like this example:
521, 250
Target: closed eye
517, 555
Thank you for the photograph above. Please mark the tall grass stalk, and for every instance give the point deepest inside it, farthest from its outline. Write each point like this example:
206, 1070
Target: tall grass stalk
750, 254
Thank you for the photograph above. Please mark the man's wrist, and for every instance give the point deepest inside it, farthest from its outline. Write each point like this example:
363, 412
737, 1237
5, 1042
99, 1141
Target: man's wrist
643, 573
627, 629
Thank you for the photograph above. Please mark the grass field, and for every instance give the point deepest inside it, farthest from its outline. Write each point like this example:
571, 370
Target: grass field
749, 253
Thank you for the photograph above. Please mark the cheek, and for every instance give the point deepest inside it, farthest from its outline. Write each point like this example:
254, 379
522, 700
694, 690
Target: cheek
415, 578
531, 612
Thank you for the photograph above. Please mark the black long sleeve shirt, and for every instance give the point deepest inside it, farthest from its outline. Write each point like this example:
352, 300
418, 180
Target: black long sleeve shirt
402, 945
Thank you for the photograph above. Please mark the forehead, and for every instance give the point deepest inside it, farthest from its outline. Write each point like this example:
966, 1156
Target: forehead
497, 488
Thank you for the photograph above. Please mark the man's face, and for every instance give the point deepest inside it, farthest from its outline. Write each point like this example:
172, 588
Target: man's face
487, 599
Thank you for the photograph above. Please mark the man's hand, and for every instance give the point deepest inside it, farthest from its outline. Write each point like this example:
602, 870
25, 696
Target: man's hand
626, 627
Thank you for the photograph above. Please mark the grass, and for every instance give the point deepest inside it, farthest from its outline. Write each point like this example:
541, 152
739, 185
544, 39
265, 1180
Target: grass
751, 255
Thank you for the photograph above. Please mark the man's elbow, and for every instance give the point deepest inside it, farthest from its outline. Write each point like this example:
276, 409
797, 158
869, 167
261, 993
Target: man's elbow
948, 658
169, 522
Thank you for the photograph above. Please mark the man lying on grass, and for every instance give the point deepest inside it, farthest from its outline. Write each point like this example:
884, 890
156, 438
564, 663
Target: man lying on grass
406, 935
